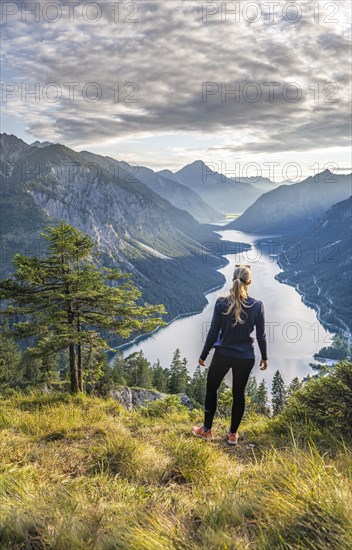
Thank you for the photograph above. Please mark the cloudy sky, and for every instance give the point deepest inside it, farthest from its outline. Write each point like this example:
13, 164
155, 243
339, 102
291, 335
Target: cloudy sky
163, 83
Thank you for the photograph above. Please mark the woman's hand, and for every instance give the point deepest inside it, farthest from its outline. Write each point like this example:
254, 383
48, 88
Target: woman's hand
263, 364
201, 362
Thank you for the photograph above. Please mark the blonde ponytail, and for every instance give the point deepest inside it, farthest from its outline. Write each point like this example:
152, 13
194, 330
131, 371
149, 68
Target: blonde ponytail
238, 292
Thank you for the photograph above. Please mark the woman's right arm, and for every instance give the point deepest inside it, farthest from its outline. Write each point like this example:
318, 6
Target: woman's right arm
213, 332
261, 337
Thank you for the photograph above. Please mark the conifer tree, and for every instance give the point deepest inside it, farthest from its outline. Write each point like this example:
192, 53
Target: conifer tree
198, 384
278, 393
138, 371
260, 399
185, 377
293, 386
10, 357
250, 392
145, 375
178, 375
39, 369
99, 377
160, 377
67, 301
251, 387
119, 369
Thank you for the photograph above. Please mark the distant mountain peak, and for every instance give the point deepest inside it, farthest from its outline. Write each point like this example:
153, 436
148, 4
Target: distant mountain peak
41, 144
196, 167
165, 172
328, 172
11, 138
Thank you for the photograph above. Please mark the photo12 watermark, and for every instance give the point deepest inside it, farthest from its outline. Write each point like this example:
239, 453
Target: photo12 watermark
268, 92
70, 92
70, 12
270, 12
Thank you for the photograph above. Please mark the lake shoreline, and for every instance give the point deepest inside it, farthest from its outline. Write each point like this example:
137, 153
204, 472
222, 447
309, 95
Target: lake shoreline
142, 337
284, 278
242, 246
245, 246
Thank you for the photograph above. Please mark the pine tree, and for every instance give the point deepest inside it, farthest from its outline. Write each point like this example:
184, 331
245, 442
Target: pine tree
119, 369
250, 392
178, 375
174, 372
67, 300
138, 371
251, 387
145, 375
185, 379
198, 384
160, 377
99, 378
260, 399
10, 357
278, 392
293, 386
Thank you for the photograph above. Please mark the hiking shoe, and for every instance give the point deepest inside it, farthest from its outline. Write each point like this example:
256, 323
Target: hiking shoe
232, 438
200, 432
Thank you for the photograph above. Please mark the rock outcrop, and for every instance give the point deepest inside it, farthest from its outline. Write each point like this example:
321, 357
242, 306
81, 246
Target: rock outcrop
131, 398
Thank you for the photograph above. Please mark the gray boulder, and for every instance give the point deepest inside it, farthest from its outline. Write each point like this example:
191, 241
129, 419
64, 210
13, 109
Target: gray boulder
131, 398
134, 397
141, 396
185, 400
123, 395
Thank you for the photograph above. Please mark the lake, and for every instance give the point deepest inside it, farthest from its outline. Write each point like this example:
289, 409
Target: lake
293, 332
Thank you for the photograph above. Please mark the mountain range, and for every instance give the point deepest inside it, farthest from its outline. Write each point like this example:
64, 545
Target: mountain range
292, 208
178, 194
135, 229
223, 193
157, 225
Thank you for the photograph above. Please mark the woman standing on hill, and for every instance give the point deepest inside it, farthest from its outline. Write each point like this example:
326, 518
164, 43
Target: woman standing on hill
234, 318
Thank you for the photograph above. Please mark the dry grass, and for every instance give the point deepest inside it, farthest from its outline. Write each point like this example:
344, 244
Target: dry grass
82, 473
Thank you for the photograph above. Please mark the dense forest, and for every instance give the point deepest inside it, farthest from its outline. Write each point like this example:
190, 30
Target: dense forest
58, 315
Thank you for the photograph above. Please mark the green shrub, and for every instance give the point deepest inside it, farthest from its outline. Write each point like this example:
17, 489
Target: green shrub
323, 403
161, 407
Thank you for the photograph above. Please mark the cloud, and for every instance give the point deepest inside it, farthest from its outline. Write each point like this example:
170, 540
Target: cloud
166, 51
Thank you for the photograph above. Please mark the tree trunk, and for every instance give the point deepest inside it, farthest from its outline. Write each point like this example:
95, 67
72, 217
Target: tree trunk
79, 353
73, 368
79, 368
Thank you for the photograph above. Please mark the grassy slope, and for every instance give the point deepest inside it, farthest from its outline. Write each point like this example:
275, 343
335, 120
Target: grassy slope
82, 472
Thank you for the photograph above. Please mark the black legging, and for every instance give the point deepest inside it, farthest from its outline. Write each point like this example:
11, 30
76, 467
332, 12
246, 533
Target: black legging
219, 367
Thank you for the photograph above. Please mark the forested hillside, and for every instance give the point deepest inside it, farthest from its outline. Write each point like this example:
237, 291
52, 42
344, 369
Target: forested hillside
318, 263
135, 229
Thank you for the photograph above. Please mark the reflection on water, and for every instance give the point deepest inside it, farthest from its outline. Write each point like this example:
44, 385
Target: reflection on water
293, 331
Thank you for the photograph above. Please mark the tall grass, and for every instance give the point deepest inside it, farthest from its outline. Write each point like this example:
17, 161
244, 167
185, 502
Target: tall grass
82, 473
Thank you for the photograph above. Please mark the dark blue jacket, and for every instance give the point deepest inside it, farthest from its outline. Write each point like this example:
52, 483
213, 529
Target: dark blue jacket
235, 340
